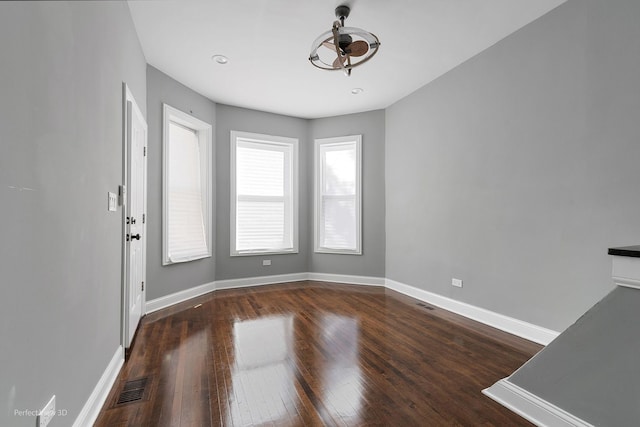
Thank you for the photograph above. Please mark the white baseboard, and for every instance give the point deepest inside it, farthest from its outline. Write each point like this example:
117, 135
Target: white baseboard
345, 278
261, 280
529, 406
505, 323
169, 300
92, 407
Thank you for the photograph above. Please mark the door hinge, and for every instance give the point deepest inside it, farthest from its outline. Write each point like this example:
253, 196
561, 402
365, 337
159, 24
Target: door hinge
144, 153
144, 218
143, 286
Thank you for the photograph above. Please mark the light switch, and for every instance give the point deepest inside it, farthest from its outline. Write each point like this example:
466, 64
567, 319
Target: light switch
113, 202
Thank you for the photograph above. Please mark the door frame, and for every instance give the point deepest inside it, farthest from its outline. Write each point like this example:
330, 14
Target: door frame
127, 96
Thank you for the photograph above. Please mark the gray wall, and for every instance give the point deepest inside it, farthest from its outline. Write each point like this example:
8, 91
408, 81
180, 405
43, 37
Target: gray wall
241, 119
591, 370
63, 64
371, 126
516, 170
165, 280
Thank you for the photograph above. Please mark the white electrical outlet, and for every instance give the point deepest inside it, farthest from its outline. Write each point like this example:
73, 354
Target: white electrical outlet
44, 417
266, 262
456, 282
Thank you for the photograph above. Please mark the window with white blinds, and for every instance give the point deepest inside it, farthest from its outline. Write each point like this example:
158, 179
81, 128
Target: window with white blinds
338, 197
187, 187
264, 186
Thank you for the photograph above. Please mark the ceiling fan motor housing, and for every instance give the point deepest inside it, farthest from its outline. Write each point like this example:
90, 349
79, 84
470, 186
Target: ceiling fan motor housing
344, 40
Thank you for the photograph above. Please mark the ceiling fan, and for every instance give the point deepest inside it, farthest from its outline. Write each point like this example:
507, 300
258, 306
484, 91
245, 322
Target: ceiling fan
346, 47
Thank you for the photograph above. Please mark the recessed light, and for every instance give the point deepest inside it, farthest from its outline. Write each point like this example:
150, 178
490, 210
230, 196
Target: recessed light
357, 90
220, 59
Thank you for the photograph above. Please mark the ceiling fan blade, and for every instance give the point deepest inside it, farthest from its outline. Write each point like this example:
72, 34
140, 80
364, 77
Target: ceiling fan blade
339, 62
357, 48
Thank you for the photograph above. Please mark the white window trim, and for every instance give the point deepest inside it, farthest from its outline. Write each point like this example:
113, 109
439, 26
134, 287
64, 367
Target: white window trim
340, 140
205, 136
264, 139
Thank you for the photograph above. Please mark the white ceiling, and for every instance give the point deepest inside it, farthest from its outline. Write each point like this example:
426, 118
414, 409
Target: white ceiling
268, 43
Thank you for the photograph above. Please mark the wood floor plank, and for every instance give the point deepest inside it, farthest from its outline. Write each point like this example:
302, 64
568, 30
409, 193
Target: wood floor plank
314, 354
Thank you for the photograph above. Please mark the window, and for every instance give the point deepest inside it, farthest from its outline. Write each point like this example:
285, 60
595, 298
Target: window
338, 200
264, 188
188, 181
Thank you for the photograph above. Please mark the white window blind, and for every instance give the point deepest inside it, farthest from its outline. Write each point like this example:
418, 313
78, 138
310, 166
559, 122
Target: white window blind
187, 188
338, 199
264, 202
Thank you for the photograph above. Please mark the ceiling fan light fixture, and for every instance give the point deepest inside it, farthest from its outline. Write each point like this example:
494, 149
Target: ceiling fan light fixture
343, 48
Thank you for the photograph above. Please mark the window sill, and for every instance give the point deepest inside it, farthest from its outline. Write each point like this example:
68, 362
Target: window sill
259, 253
338, 251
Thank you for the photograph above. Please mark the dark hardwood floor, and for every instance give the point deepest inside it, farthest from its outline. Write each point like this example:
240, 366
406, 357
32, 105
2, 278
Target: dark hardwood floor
311, 354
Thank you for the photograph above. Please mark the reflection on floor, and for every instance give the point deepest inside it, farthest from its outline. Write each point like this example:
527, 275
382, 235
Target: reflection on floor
313, 354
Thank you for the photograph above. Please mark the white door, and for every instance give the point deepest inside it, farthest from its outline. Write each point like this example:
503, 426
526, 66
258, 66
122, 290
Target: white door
135, 250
